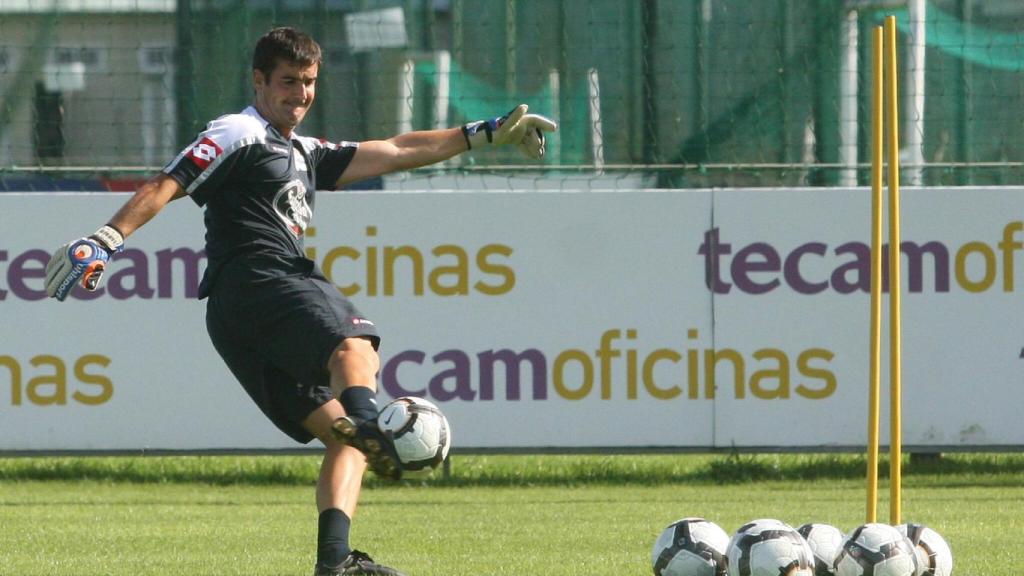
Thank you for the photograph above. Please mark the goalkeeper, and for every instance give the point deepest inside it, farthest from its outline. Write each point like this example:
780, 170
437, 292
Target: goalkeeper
303, 352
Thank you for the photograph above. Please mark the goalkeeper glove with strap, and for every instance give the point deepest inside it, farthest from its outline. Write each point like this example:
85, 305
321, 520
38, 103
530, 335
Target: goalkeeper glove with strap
516, 127
82, 261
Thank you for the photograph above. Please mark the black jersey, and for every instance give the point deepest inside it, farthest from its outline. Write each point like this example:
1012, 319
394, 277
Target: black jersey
258, 190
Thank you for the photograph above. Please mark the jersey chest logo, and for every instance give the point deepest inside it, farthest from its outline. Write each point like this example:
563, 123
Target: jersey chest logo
292, 207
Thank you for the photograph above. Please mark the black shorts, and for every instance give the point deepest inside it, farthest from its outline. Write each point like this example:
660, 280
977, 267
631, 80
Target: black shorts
276, 335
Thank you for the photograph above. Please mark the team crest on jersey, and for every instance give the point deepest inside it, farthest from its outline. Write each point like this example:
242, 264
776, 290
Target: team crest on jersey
203, 152
292, 206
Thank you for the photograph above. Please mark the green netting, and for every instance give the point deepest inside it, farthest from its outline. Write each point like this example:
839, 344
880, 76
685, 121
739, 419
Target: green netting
692, 92
974, 42
471, 98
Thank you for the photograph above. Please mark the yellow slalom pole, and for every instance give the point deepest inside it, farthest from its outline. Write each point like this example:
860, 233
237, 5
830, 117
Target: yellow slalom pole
875, 352
892, 115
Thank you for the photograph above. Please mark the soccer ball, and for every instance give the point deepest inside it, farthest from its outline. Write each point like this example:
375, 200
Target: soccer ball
690, 547
769, 547
419, 430
826, 541
877, 550
933, 554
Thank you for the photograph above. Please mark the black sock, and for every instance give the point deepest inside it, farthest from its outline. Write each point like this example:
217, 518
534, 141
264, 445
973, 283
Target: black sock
332, 537
359, 401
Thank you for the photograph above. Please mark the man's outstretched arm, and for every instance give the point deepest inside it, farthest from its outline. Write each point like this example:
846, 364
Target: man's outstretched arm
147, 201
426, 147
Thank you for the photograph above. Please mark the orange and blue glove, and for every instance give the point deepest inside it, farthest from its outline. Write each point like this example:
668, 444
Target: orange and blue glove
81, 261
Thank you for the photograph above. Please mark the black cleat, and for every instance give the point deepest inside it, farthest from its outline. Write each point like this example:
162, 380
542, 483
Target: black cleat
356, 564
365, 436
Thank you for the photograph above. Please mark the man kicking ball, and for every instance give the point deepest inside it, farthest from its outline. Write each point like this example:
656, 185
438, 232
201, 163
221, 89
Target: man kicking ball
303, 352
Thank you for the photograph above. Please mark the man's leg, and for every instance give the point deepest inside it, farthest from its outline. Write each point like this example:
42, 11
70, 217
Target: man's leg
341, 472
353, 367
353, 363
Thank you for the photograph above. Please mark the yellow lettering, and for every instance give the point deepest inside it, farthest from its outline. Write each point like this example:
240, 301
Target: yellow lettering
989, 274
391, 256
34, 389
780, 373
606, 353
587, 381
311, 250
460, 272
387, 269
371, 264
649, 384
711, 359
328, 268
485, 265
803, 363
15, 369
1008, 245
631, 361
693, 373
106, 386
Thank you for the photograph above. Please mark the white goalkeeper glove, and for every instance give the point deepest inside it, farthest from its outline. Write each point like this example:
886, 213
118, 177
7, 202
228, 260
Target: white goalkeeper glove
516, 127
81, 260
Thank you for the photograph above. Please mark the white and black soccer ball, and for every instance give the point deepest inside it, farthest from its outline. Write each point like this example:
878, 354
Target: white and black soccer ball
690, 547
825, 540
876, 549
769, 547
934, 557
419, 430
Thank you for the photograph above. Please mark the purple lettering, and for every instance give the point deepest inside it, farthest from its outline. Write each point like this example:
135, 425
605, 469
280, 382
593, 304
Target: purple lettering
757, 257
191, 261
21, 269
860, 266
132, 279
711, 249
851, 274
511, 361
792, 268
915, 272
459, 373
3, 258
389, 374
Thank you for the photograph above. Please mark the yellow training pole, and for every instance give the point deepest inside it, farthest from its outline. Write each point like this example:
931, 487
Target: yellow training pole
875, 347
892, 115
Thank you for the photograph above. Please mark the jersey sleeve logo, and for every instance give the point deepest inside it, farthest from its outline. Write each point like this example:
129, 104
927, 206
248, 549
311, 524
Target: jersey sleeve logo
204, 152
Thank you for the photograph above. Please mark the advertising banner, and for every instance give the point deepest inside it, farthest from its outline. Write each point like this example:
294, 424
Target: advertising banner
696, 319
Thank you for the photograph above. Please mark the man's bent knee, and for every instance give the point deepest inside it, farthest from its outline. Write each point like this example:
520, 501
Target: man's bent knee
354, 363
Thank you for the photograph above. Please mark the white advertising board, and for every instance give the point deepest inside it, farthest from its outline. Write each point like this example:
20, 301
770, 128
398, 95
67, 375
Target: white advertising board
630, 319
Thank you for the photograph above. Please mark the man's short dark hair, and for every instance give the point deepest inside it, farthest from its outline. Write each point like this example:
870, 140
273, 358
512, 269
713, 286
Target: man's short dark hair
285, 44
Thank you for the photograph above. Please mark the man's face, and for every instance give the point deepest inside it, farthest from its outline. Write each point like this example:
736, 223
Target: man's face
286, 95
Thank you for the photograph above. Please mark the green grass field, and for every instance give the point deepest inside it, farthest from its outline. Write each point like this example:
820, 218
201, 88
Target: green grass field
515, 515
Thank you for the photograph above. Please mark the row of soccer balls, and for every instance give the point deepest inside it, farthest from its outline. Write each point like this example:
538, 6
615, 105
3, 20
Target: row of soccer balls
769, 547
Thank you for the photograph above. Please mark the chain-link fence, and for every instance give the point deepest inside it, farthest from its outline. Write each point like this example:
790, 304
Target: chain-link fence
669, 93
